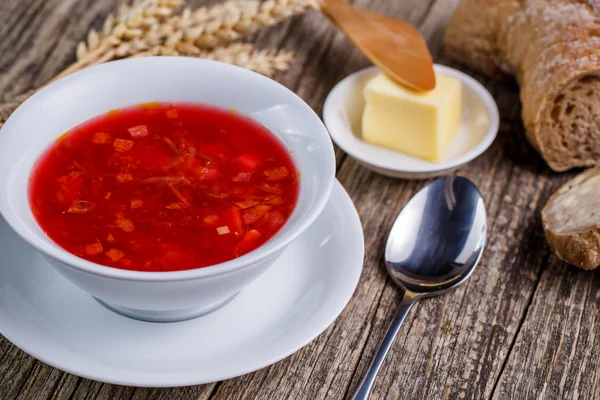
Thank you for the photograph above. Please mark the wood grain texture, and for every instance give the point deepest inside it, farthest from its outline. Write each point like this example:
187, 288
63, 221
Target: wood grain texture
523, 326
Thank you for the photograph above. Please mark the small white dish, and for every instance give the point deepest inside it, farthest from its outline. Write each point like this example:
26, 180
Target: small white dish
178, 295
283, 310
342, 114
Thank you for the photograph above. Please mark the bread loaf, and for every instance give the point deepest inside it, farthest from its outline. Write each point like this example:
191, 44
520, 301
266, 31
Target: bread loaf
571, 220
552, 47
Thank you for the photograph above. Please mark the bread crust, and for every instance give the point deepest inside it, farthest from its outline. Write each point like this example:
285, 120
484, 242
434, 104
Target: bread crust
551, 47
580, 248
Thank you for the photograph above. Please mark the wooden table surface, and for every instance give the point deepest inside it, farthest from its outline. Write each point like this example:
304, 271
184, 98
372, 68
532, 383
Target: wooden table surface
523, 326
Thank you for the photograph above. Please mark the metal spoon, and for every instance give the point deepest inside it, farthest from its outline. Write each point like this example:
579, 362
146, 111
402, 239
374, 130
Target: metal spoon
434, 246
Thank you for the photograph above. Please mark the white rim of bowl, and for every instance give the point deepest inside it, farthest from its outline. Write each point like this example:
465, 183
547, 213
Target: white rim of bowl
476, 151
267, 249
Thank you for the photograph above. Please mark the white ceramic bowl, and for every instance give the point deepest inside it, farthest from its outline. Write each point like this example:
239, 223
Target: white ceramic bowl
343, 111
163, 296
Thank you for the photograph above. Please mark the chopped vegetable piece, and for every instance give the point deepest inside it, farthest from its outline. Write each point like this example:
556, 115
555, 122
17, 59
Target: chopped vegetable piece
125, 224
115, 255
273, 200
122, 144
272, 188
172, 114
233, 218
242, 177
122, 178
255, 213
110, 238
137, 203
247, 203
248, 242
176, 206
247, 162
70, 187
107, 195
68, 178
171, 144
138, 131
219, 191
93, 249
211, 220
81, 207
247, 192
101, 138
166, 180
180, 196
223, 230
276, 174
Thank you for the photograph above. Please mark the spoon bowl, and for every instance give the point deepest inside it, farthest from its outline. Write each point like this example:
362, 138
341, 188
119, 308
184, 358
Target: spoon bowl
433, 246
438, 238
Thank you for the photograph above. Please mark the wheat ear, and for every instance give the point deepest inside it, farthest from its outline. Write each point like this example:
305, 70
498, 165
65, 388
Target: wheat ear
246, 55
235, 19
192, 30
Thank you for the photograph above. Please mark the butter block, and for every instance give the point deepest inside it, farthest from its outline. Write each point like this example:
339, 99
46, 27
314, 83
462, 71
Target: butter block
420, 124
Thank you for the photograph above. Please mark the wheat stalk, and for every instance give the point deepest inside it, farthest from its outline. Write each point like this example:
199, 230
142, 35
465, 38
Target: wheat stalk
235, 19
131, 25
164, 27
156, 23
246, 55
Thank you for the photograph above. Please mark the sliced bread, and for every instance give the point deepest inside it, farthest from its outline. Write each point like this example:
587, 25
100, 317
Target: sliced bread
552, 48
571, 220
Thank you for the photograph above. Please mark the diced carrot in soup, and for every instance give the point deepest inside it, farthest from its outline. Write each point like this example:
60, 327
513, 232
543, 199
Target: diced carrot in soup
211, 220
125, 224
276, 174
114, 255
249, 241
101, 138
81, 207
138, 131
164, 187
122, 144
93, 249
233, 219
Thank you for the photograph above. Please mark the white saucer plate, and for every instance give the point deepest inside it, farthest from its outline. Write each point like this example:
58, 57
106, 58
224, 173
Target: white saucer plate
342, 114
283, 310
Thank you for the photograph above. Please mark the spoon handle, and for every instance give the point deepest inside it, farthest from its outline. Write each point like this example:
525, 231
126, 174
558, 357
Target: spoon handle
362, 392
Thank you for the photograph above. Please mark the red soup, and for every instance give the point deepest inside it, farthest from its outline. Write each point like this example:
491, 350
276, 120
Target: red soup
164, 187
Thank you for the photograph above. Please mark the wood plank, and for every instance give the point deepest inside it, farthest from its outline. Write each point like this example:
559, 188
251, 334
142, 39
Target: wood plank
554, 355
